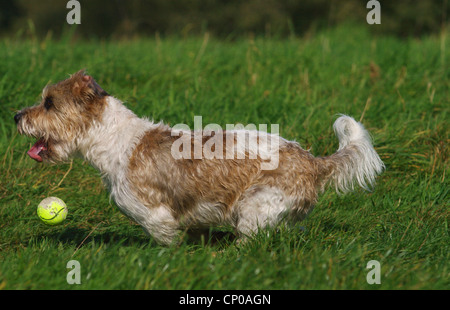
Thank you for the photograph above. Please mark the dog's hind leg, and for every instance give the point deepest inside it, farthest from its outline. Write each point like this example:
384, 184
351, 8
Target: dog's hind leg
260, 207
161, 225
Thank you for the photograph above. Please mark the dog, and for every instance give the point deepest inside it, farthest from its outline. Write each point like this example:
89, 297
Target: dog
167, 194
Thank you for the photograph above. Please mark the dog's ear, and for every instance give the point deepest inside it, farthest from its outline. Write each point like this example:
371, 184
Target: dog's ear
85, 84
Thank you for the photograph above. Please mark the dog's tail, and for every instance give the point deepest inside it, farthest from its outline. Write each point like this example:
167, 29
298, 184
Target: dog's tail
356, 161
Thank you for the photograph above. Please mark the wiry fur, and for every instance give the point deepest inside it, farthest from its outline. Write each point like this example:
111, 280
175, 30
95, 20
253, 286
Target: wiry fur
166, 195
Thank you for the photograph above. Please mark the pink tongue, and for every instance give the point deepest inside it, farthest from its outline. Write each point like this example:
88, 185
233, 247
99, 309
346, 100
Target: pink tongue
36, 149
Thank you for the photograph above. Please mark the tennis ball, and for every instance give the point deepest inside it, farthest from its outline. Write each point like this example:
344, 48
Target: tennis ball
52, 211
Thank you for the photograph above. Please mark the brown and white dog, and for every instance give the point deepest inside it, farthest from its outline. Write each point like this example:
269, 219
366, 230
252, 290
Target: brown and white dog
166, 193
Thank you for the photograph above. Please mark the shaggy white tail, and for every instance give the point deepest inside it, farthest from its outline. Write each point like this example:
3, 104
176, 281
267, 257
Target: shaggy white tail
356, 161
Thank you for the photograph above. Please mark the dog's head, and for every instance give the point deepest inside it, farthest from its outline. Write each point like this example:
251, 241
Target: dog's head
67, 110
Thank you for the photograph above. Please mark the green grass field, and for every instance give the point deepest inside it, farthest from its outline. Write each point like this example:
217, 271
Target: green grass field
399, 88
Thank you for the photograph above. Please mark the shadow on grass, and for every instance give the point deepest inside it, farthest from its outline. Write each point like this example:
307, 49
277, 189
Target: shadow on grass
335, 226
216, 238
82, 236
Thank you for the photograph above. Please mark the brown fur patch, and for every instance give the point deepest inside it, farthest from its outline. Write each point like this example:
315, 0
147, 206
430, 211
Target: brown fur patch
157, 178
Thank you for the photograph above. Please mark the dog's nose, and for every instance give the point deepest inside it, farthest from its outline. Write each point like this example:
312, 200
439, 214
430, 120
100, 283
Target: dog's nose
17, 117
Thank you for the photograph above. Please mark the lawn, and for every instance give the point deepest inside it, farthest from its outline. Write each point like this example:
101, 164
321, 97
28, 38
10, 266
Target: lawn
398, 88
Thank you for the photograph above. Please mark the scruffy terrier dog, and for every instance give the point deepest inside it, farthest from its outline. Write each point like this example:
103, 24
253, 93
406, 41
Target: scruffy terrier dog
167, 194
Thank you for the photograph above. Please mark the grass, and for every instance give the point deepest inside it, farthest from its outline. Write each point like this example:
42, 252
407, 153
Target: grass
399, 88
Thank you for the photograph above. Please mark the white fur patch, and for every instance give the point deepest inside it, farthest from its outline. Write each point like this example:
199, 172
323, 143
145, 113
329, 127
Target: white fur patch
359, 161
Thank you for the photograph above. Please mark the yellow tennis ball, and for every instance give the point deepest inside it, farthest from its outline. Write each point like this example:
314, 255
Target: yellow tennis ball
52, 211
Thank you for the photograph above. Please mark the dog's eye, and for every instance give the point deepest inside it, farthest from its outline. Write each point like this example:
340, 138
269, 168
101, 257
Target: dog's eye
48, 103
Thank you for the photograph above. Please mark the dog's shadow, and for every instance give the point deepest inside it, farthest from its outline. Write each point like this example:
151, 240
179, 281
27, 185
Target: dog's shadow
82, 236
216, 238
